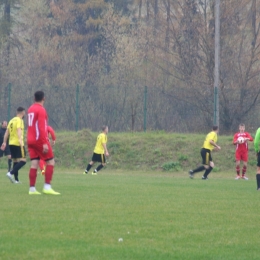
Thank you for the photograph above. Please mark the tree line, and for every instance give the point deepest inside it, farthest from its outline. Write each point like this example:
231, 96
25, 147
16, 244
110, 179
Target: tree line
112, 49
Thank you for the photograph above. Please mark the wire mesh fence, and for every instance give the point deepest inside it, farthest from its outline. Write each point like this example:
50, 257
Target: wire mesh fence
78, 107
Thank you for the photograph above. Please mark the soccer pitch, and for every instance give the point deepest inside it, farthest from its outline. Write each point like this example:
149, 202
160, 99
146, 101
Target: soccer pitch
157, 215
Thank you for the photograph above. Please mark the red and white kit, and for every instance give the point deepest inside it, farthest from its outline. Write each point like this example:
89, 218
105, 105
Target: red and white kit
242, 148
37, 133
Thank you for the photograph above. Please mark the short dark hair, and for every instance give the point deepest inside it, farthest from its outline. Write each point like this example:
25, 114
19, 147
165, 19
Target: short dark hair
215, 127
241, 124
39, 96
20, 109
103, 128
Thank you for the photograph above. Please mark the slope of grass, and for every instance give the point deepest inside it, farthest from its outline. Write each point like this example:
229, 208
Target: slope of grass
159, 215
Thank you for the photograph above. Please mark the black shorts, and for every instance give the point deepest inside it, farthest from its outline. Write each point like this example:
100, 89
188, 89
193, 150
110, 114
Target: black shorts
206, 156
99, 158
6, 151
258, 159
17, 152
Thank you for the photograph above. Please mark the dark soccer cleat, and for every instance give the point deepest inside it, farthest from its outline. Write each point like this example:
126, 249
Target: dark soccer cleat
191, 174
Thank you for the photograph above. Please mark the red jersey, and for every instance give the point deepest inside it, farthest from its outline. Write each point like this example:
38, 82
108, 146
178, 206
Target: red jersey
243, 146
51, 132
37, 125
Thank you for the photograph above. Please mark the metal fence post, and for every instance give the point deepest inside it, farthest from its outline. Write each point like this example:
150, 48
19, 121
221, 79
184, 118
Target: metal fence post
77, 109
9, 102
145, 107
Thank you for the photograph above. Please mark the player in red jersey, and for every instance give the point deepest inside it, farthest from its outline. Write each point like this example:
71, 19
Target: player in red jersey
51, 134
241, 151
39, 145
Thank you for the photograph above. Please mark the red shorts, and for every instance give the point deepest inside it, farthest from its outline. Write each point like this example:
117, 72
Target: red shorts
36, 152
241, 156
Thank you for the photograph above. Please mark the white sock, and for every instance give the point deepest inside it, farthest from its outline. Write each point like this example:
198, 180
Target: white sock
47, 186
32, 189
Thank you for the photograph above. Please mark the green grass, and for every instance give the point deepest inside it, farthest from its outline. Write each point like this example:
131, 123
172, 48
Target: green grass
159, 215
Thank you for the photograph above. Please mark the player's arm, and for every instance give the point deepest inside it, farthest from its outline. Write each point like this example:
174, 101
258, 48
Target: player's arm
19, 134
105, 148
52, 133
214, 144
235, 139
257, 140
42, 130
5, 139
104, 144
248, 137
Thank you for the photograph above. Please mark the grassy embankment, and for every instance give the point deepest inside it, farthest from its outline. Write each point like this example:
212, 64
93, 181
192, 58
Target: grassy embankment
151, 151
158, 151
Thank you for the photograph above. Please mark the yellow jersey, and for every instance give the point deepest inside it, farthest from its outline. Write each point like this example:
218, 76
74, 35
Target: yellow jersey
13, 125
101, 139
210, 136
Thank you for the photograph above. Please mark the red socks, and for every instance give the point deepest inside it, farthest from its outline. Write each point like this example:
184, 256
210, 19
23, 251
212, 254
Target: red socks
32, 177
238, 170
48, 173
243, 170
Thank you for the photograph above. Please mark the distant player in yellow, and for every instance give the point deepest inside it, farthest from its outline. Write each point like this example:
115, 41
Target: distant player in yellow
209, 144
100, 152
6, 151
15, 132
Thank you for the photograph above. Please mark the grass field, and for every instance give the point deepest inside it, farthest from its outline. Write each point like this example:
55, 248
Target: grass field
159, 215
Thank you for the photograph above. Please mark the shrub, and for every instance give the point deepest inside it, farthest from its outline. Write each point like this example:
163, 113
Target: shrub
171, 166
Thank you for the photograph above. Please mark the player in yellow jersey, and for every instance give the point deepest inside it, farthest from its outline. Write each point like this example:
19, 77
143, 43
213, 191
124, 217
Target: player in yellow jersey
6, 151
209, 144
100, 151
15, 132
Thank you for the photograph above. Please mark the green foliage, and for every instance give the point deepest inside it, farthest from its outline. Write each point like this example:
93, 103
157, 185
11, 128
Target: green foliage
216, 169
171, 166
252, 162
182, 157
113, 146
157, 152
